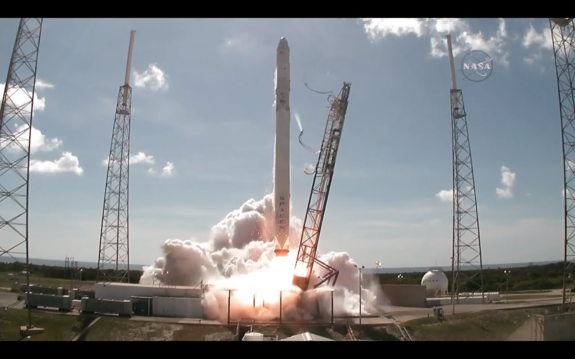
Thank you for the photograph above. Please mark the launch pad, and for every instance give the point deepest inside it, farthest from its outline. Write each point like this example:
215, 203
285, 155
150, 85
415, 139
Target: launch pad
280, 305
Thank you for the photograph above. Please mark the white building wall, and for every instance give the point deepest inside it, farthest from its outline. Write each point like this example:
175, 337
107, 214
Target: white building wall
124, 291
177, 307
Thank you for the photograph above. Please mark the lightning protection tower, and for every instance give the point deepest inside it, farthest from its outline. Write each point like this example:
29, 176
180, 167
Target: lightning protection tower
15, 123
562, 33
114, 253
466, 262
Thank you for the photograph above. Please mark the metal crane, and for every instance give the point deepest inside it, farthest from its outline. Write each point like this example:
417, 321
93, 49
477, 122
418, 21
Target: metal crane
562, 33
323, 174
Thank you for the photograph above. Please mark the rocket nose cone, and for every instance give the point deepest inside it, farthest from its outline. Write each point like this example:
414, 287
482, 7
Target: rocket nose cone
283, 44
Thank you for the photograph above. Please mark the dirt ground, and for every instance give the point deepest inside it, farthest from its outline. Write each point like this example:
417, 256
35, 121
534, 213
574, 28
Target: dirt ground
501, 325
116, 329
483, 326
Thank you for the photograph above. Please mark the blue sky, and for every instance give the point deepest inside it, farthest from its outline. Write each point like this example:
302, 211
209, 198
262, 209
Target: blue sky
202, 101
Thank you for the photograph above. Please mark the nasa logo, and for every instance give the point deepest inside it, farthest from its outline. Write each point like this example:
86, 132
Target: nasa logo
477, 66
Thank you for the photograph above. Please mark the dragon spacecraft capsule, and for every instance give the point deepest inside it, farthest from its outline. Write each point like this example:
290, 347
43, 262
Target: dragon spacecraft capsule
282, 184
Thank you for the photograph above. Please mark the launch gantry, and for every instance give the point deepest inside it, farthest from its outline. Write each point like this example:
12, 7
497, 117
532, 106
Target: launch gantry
323, 174
563, 37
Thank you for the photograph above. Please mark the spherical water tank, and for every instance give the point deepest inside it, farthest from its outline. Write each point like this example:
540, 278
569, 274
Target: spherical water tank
435, 280
253, 337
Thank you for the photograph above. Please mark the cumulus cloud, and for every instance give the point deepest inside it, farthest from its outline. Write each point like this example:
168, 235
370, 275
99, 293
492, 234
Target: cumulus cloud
508, 181
153, 78
141, 157
16, 142
539, 40
138, 158
21, 98
43, 85
38, 142
463, 38
167, 170
447, 195
66, 163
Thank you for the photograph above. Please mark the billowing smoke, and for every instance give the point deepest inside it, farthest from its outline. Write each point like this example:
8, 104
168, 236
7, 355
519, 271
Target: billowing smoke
240, 257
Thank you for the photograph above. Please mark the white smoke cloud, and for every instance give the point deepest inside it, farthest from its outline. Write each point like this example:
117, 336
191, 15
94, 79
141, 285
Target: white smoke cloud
240, 257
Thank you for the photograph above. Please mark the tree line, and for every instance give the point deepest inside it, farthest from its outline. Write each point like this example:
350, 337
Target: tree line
87, 274
534, 277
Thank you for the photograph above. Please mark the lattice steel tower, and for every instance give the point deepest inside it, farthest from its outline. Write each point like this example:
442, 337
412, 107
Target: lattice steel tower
562, 32
466, 262
114, 254
317, 204
16, 114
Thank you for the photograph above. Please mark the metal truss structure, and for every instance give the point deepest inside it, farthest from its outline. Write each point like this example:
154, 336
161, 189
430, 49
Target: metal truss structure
323, 175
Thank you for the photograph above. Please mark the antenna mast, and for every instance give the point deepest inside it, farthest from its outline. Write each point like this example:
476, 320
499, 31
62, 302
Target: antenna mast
466, 262
114, 253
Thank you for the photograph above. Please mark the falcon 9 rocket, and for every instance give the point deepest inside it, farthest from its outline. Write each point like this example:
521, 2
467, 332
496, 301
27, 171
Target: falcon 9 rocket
282, 185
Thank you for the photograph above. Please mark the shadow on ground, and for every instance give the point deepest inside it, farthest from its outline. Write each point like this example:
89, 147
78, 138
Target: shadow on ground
85, 321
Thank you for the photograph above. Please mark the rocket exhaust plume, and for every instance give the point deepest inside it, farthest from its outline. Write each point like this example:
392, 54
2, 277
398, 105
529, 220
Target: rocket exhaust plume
239, 256
282, 195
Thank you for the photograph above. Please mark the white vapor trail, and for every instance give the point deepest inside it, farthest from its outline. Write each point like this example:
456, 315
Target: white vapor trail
298, 120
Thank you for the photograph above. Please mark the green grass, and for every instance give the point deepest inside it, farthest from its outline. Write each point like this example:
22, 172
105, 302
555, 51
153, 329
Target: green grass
483, 326
496, 326
6, 282
56, 327
120, 329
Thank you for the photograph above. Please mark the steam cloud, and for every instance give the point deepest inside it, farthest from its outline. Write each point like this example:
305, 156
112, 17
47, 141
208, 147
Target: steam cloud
240, 257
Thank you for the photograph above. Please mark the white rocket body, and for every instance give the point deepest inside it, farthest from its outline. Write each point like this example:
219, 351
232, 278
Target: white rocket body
282, 195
